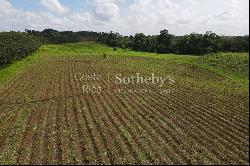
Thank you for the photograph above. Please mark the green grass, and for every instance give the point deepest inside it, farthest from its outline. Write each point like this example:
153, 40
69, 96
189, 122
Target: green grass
232, 66
93, 48
17, 67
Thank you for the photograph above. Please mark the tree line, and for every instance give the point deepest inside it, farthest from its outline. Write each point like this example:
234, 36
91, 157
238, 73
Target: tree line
52, 36
17, 45
194, 44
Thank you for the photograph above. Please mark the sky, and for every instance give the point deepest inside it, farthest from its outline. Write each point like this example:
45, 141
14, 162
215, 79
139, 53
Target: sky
224, 17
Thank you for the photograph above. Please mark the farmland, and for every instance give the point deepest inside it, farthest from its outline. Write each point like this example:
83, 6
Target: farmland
46, 118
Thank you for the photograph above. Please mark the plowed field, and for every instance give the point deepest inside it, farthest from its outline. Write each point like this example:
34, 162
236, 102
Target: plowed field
47, 118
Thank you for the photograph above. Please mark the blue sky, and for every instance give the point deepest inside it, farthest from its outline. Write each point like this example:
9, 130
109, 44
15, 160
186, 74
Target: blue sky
229, 17
35, 5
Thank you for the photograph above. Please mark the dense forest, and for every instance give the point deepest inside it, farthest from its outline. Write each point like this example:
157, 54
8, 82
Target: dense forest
195, 44
16, 45
56, 37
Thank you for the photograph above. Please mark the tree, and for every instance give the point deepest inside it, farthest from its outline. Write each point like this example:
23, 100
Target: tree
164, 42
139, 42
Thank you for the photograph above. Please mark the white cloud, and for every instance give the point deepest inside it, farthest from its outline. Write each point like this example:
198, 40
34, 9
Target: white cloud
105, 9
54, 6
5, 7
224, 15
232, 11
187, 16
147, 16
154, 15
17, 19
229, 18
